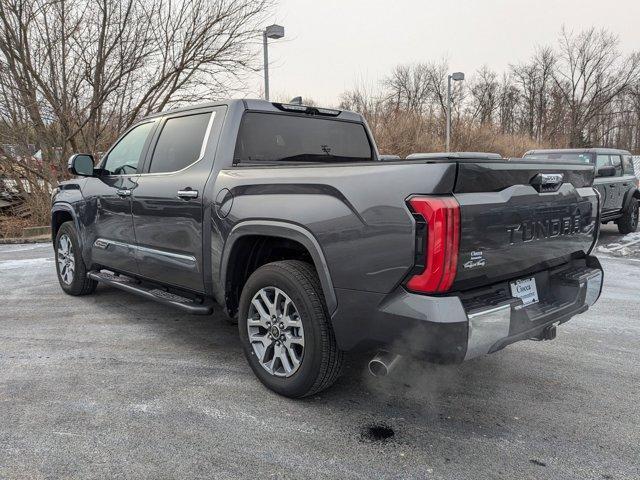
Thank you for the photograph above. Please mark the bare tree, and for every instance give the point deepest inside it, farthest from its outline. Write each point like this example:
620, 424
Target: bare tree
484, 95
73, 73
590, 74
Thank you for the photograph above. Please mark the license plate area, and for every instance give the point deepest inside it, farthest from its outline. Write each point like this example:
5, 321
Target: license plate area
526, 290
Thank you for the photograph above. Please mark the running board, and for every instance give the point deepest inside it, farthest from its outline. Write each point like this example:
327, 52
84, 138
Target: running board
132, 285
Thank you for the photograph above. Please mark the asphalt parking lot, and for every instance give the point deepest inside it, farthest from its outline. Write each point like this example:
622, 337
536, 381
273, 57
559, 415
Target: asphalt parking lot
113, 386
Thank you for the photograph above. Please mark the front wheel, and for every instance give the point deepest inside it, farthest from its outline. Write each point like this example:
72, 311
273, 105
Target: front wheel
72, 272
285, 330
628, 223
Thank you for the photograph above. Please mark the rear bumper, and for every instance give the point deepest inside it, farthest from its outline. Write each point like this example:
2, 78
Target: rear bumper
452, 329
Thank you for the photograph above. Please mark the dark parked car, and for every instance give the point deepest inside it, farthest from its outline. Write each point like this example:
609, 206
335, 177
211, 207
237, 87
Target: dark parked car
616, 181
286, 217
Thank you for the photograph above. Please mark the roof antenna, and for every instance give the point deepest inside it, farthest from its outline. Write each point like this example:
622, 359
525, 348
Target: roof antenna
296, 101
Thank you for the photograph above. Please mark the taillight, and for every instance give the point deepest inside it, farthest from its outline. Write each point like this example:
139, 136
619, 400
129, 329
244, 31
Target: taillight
442, 217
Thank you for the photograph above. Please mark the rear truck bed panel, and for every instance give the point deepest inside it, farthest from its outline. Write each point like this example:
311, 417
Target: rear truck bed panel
357, 212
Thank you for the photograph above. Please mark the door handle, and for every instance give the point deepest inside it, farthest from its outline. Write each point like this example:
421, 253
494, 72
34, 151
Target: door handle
123, 192
187, 194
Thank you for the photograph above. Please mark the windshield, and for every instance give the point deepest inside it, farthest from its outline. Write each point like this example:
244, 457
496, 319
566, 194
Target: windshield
277, 138
561, 157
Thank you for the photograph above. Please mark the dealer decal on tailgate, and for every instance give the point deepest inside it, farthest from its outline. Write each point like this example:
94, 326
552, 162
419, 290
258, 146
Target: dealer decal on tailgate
526, 290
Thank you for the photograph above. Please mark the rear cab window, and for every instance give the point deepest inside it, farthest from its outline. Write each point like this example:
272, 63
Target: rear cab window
276, 139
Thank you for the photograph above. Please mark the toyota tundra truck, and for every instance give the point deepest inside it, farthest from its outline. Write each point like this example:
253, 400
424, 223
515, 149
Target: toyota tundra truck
287, 218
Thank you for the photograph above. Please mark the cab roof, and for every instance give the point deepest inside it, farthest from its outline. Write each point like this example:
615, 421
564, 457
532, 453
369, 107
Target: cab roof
580, 150
266, 106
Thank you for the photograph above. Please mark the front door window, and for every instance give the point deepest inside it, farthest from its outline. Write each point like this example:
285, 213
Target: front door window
124, 157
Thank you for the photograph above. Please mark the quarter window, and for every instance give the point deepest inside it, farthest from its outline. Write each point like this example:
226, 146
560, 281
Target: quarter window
124, 157
181, 142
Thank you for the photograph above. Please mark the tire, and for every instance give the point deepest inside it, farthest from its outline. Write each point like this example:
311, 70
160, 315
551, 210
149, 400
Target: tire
76, 283
628, 223
320, 361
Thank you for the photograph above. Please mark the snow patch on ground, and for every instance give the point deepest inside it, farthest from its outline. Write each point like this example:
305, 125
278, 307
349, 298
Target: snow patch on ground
24, 263
21, 247
626, 246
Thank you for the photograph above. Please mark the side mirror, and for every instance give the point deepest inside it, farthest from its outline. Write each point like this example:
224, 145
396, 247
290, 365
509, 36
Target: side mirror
81, 164
607, 171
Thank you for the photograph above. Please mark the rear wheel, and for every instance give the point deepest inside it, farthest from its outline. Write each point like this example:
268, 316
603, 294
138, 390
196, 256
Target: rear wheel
285, 330
72, 272
628, 223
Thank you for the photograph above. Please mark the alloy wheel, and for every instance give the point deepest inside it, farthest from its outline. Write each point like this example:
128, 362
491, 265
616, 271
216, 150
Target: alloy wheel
275, 332
66, 260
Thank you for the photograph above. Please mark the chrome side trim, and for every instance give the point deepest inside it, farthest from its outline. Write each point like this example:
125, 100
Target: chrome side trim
164, 253
486, 327
104, 244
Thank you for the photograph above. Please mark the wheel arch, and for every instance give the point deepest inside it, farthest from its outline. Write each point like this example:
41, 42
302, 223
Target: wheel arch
60, 213
271, 231
631, 195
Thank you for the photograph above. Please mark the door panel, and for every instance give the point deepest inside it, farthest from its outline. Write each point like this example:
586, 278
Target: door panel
169, 229
167, 204
600, 183
617, 181
112, 237
606, 186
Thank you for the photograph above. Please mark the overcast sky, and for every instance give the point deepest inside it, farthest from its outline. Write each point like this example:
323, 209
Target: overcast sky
331, 45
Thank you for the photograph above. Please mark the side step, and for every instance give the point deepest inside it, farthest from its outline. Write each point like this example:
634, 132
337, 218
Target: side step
132, 285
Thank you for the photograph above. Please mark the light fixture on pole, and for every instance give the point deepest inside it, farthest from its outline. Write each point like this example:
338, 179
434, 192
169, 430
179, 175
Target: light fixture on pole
273, 32
456, 77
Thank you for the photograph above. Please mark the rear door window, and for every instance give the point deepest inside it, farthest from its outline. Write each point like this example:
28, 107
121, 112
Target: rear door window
617, 163
627, 165
181, 142
276, 139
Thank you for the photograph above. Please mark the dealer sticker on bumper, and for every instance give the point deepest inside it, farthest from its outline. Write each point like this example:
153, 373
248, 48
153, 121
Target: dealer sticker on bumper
526, 290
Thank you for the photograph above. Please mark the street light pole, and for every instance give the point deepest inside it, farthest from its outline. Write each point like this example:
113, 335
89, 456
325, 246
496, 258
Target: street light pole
456, 77
275, 32
448, 112
265, 47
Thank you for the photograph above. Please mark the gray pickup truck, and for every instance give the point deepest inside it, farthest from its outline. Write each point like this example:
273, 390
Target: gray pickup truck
288, 218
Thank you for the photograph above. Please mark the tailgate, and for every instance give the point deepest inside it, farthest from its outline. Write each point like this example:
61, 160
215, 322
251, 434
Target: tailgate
518, 218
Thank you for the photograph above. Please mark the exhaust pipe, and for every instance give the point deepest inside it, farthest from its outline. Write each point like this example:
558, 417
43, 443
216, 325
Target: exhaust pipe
382, 364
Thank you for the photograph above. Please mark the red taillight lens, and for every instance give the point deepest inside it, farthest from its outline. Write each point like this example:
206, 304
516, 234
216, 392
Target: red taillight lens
442, 215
